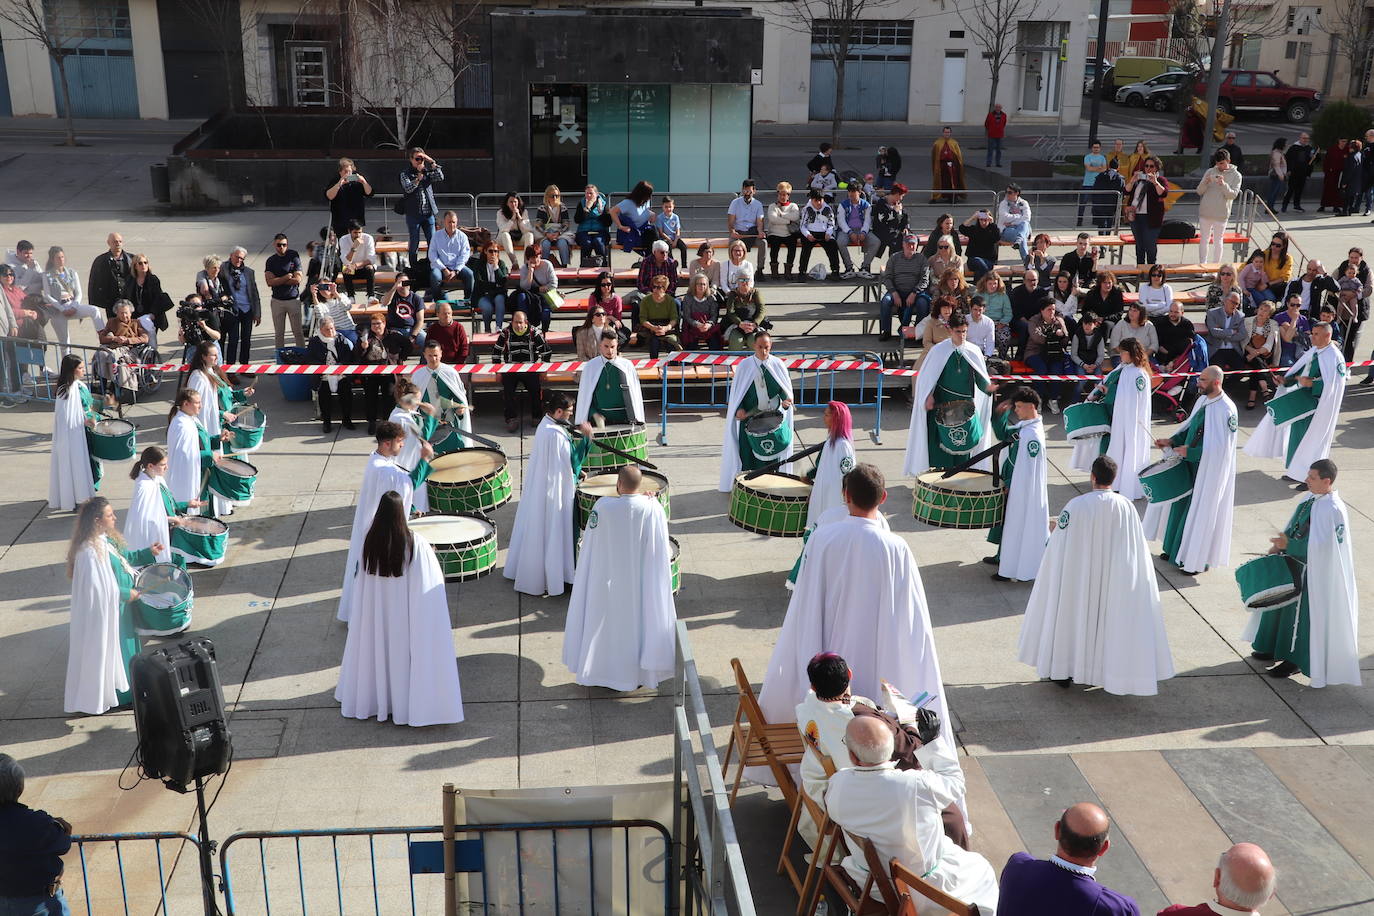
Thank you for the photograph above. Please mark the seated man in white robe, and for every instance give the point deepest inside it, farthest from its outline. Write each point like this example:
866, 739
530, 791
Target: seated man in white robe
608, 389
381, 475
1094, 616
900, 812
621, 616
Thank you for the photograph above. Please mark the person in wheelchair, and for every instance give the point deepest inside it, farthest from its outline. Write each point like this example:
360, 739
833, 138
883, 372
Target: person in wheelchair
124, 342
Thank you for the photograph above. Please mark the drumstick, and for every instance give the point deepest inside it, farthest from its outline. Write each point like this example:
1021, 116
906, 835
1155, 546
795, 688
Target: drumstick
204, 480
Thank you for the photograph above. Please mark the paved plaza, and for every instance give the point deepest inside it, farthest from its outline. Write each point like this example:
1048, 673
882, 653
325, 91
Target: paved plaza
1222, 754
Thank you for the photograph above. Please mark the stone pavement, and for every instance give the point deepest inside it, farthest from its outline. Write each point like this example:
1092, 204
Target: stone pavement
1222, 754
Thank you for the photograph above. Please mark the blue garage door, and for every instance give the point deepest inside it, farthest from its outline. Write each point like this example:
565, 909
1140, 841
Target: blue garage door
877, 73
101, 81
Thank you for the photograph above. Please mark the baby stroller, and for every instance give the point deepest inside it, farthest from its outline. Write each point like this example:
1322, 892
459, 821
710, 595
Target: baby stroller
1173, 395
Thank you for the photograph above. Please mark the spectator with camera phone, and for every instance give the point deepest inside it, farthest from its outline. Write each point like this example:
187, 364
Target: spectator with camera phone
1047, 351
347, 199
405, 313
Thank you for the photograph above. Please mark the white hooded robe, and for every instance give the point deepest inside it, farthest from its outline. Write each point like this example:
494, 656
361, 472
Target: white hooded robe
1025, 526
827, 489
917, 448
69, 475
95, 667
379, 477
146, 524
426, 381
746, 371
411, 455
1207, 529
1270, 441
209, 401
540, 554
1131, 438
586, 387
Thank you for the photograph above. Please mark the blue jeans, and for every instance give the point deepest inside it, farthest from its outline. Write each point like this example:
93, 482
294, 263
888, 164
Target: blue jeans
1060, 366
1146, 240
350, 336
908, 313
979, 266
436, 282
995, 146
238, 337
593, 243
1019, 235
42, 905
533, 305
1276, 186
564, 249
489, 305
417, 225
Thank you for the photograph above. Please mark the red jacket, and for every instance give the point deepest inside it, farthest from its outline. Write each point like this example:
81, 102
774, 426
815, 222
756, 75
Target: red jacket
995, 124
452, 339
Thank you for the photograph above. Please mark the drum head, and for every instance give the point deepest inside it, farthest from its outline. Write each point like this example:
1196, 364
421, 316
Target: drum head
200, 524
964, 481
236, 467
1158, 467
954, 413
787, 485
598, 485
252, 418
763, 423
113, 427
616, 429
468, 464
452, 529
163, 579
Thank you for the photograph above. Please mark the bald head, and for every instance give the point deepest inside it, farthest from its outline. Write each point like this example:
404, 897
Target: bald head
1210, 381
628, 480
1082, 833
1245, 878
869, 740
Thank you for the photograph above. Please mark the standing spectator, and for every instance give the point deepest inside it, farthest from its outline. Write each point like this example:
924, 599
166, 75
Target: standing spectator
946, 168
314, 266
417, 189
1278, 264
1351, 179
822, 157
533, 288
1014, 221
347, 198
1064, 884
818, 228
1355, 257
1226, 334
855, 216
284, 274
1295, 332
1081, 263
1278, 174
358, 250
489, 287
449, 253
1299, 160
1135, 162
32, 844
592, 221
27, 273
633, 219
553, 225
376, 347
329, 304
700, 316
1155, 295
658, 318
1110, 189
62, 295
888, 223
212, 282
519, 342
1261, 351
1333, 168
1243, 882
247, 307
995, 126
907, 280
744, 219
151, 304
782, 228
888, 165
744, 315
983, 240
1220, 185
1145, 210
1175, 334
449, 334
110, 275
513, 229
1366, 171
405, 317
1232, 150
330, 348
668, 226
1094, 164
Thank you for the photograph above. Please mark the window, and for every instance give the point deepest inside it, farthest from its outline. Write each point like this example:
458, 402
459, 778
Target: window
1266, 81
75, 19
867, 33
1241, 81
1290, 50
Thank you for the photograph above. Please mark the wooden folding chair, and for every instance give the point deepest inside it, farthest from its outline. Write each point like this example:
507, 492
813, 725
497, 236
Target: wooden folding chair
760, 743
826, 838
908, 883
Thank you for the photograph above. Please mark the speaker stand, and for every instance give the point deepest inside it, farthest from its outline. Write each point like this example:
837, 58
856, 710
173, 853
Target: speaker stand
207, 854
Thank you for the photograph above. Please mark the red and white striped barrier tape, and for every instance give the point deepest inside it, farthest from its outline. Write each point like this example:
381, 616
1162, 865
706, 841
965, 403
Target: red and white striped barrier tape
908, 373
502, 368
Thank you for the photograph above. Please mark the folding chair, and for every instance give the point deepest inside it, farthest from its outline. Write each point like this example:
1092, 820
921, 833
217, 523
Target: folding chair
826, 836
908, 883
760, 743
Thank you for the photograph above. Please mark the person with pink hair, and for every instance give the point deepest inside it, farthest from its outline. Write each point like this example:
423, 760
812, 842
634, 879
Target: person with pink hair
836, 460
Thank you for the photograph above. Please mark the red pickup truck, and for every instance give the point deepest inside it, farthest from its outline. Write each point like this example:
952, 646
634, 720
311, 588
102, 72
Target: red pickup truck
1244, 91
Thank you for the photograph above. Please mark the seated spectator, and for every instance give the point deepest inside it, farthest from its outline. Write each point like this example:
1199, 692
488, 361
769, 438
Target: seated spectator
1014, 221
1065, 296
992, 289
700, 316
1226, 334
633, 219
1327, 314
587, 336
826, 182
945, 258
1040, 256
818, 226
937, 323
326, 298
668, 227
536, 282
151, 304
449, 335
1295, 332
520, 342
1047, 352
1244, 881
62, 296
327, 347
593, 224
744, 315
376, 347
657, 264
782, 228
1278, 264
1104, 299
744, 219
553, 227
489, 287
28, 321
1175, 335
983, 240
736, 265
1225, 282
1312, 287
1136, 324
889, 223
1026, 300
29, 275
907, 281
449, 253
604, 297
35, 842
359, 253
944, 226
900, 811
513, 229
1253, 280
1063, 885
707, 264
1081, 263
658, 320
405, 314
952, 285
854, 215
1156, 295
120, 335
1261, 352
1088, 352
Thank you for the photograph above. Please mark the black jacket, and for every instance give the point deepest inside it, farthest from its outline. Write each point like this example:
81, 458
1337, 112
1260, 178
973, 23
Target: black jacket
1299, 160
889, 225
109, 280
1322, 284
149, 299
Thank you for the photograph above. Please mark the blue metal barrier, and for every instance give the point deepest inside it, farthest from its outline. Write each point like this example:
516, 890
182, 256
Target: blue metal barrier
29, 367
95, 875
863, 387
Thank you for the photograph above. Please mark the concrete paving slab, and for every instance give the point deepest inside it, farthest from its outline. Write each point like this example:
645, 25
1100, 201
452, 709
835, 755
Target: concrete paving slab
1334, 789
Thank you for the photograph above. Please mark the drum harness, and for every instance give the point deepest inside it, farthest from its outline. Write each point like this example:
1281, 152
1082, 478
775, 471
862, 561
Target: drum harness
573, 431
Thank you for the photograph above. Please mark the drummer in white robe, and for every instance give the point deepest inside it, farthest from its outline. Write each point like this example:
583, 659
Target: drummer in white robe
1308, 438
540, 555
1197, 528
153, 512
953, 370
1021, 536
608, 389
836, 460
381, 475
760, 384
398, 661
1094, 615
441, 385
73, 476
621, 616
1126, 393
419, 420
191, 452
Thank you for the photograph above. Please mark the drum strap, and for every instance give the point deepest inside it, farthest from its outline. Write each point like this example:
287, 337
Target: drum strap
113, 551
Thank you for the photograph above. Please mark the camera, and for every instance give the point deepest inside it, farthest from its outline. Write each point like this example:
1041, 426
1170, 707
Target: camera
190, 314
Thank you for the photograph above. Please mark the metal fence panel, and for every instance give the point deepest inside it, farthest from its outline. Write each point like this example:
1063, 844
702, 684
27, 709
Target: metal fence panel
134, 873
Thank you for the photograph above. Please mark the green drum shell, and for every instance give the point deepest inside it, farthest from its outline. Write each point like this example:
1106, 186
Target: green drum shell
164, 621
462, 561
446, 440
674, 549
112, 440
1166, 481
945, 506
961, 438
585, 501
767, 440
196, 547
1086, 420
247, 430
632, 439
1291, 405
236, 488
477, 494
1270, 582
773, 514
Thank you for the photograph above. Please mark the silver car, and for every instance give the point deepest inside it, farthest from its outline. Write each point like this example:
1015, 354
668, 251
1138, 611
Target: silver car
1133, 95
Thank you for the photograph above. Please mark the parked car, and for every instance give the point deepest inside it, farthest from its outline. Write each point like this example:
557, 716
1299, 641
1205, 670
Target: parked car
1165, 98
1108, 80
1133, 95
1245, 91
1139, 69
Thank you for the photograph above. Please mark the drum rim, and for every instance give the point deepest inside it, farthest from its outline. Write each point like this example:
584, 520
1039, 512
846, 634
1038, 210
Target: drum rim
1169, 460
745, 486
237, 424
951, 491
619, 429
180, 575
454, 545
126, 428
973, 412
778, 414
207, 518
228, 468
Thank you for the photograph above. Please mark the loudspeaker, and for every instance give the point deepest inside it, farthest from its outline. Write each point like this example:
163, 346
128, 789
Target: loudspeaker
179, 713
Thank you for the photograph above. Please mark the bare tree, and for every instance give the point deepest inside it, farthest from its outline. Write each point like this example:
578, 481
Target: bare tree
1351, 27
28, 17
832, 24
992, 25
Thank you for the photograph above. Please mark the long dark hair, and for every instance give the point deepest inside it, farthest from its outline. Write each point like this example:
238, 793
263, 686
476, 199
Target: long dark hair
66, 373
642, 193
596, 295
505, 205
151, 455
200, 360
184, 396
389, 545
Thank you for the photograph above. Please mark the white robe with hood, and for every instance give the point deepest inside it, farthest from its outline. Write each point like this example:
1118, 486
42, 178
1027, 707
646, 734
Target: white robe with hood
410, 456
1270, 441
1131, 438
746, 373
380, 476
95, 667
425, 379
209, 401
540, 555
591, 374
1207, 530
1026, 525
183, 457
69, 475
917, 448
827, 489
146, 524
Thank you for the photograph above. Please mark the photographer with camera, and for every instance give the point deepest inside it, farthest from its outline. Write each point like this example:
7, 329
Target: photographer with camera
1047, 352
199, 323
32, 844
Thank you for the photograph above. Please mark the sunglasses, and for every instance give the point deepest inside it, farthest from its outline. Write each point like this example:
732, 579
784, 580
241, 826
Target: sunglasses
281, 244
598, 314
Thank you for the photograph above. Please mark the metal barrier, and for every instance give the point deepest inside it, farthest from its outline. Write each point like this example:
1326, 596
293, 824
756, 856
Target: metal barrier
1259, 222
464, 204
103, 858
1063, 211
29, 369
714, 879
811, 387
507, 864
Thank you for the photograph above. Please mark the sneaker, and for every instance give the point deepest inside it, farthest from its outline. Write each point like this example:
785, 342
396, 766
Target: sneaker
1054, 405
850, 275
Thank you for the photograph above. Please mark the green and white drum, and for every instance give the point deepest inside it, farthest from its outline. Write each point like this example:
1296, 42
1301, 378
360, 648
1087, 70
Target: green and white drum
771, 504
1271, 581
1167, 480
164, 602
768, 434
200, 539
1087, 420
247, 429
112, 440
673, 550
465, 544
628, 437
956, 424
602, 483
968, 499
446, 440
470, 480
232, 479
1291, 404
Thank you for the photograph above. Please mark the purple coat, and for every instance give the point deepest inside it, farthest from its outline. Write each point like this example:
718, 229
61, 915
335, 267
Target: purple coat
1037, 887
